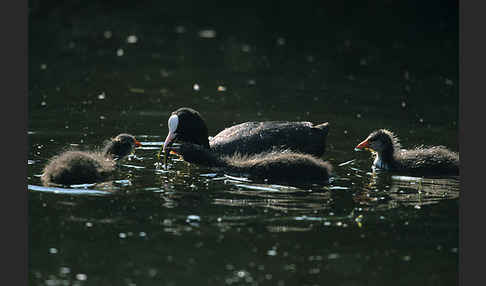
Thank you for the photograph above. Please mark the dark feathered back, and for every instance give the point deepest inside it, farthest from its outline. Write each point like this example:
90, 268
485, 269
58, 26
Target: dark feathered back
277, 165
76, 167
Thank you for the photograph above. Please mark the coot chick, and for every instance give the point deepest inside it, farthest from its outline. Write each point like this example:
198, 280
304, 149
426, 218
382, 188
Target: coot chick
79, 167
187, 125
274, 166
388, 155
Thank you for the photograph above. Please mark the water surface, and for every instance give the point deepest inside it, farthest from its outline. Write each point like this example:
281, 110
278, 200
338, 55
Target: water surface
93, 76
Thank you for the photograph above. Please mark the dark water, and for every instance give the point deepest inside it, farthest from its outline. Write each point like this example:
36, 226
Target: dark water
96, 70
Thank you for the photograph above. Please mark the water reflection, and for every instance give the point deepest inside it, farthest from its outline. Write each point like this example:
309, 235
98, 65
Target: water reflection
388, 191
92, 76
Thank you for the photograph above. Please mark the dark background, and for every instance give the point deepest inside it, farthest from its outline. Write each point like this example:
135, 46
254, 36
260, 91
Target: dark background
317, 74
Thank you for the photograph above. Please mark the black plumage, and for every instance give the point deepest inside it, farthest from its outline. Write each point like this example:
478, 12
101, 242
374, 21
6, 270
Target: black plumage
250, 137
79, 167
388, 155
273, 166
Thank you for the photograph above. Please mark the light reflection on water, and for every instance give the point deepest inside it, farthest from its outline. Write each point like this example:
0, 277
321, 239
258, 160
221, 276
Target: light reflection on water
188, 225
191, 211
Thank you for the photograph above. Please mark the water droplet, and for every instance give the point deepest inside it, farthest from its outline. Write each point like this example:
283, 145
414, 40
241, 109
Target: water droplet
107, 34
246, 48
280, 41
417, 207
102, 117
449, 82
358, 115
221, 88
180, 29
43, 66
122, 235
196, 87
207, 34
407, 258
193, 218
89, 224
64, 270
81, 277
271, 252
132, 39
43, 103
406, 75
102, 95
241, 273
333, 256
404, 104
53, 250
120, 52
164, 73
251, 82
142, 234
152, 272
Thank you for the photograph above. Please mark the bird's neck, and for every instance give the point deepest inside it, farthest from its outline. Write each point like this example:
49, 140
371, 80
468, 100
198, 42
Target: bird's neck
385, 160
203, 156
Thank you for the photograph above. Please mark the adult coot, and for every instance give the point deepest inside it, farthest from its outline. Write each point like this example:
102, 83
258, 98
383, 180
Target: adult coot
388, 155
187, 125
273, 166
79, 167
